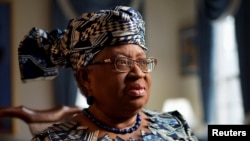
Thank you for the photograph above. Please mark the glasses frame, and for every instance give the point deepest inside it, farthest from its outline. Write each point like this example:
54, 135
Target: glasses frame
151, 60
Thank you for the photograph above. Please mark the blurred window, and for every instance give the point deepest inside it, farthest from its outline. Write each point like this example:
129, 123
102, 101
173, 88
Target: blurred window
227, 93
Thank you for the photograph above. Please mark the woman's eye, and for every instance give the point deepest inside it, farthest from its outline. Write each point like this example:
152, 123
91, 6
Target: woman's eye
121, 62
143, 62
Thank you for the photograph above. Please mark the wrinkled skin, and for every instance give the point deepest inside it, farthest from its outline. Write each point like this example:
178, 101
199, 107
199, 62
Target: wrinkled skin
118, 95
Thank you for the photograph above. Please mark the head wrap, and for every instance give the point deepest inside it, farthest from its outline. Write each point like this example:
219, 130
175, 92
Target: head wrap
42, 53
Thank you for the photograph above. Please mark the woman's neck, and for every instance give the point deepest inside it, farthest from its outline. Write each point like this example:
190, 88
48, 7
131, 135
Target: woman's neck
114, 119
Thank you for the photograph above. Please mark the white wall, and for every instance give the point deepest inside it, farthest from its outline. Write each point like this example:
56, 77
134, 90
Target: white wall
163, 20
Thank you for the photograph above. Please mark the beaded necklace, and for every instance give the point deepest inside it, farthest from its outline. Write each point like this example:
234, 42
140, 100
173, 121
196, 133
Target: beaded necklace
111, 129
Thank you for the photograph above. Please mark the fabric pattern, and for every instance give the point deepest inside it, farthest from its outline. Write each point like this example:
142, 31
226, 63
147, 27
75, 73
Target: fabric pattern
42, 53
168, 126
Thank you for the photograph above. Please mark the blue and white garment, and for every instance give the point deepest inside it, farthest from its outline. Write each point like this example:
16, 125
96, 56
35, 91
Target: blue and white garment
167, 126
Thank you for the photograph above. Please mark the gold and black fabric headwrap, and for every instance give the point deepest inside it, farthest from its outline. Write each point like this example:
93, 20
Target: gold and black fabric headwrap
42, 53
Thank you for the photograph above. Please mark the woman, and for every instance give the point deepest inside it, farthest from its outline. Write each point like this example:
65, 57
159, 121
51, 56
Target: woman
107, 53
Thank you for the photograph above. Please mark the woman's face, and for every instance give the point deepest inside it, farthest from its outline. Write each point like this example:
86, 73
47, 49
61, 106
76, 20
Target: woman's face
119, 91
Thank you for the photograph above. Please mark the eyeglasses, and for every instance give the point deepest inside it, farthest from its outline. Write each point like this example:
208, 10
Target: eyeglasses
124, 64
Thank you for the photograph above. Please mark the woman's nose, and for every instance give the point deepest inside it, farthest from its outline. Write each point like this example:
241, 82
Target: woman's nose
136, 70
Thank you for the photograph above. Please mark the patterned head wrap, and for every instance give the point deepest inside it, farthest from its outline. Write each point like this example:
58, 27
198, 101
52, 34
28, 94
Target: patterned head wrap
42, 53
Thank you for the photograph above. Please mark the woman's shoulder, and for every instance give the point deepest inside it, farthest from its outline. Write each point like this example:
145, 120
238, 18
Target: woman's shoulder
155, 112
171, 118
68, 130
171, 123
164, 115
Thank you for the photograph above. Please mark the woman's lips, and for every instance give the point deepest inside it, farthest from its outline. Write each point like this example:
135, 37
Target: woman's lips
136, 91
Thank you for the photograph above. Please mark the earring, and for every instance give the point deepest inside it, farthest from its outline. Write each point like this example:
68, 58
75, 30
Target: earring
90, 100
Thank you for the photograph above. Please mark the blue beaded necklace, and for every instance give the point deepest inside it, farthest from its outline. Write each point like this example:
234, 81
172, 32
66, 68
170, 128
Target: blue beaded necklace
111, 129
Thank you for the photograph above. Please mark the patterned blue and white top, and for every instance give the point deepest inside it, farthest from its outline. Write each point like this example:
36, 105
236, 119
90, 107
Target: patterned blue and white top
167, 126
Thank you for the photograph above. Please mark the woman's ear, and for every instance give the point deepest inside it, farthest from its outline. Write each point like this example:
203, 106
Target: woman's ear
82, 77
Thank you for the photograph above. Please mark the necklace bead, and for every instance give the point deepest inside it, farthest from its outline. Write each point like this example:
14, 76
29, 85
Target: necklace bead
111, 129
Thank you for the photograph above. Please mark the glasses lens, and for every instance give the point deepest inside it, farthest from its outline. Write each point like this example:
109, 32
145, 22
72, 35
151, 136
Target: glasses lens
123, 64
147, 65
